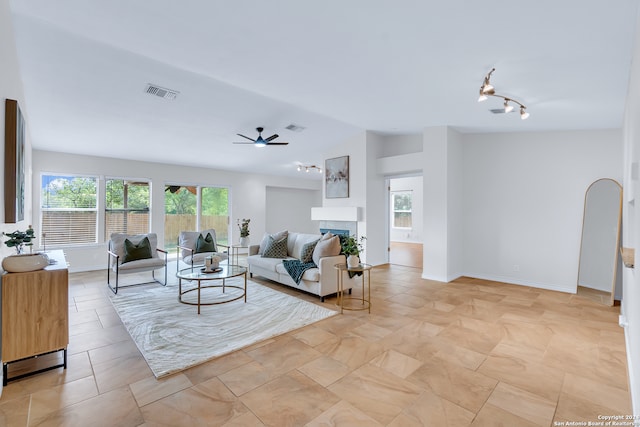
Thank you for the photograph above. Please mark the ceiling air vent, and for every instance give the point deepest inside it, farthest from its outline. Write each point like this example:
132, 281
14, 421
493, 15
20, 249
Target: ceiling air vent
500, 110
295, 128
161, 91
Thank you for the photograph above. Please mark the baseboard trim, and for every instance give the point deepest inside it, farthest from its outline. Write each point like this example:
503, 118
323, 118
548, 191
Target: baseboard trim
513, 281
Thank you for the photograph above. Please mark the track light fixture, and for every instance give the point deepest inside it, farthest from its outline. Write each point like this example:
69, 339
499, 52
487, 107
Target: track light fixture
487, 90
309, 168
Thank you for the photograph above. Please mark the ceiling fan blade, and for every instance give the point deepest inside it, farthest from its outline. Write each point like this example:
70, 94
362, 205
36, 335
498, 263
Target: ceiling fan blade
248, 143
272, 137
250, 139
277, 143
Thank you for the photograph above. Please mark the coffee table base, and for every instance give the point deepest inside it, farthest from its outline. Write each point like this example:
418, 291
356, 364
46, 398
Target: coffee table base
200, 287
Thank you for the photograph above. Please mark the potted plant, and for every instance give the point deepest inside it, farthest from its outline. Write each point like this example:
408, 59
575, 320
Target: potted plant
20, 239
352, 248
21, 262
244, 231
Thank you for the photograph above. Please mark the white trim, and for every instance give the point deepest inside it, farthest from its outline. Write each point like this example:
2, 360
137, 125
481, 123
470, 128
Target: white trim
514, 281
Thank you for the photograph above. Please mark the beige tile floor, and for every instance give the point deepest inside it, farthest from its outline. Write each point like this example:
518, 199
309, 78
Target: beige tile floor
466, 353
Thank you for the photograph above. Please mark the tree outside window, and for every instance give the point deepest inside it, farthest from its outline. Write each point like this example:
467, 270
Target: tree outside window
126, 207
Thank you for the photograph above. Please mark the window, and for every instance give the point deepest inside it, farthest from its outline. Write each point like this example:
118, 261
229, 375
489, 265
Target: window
401, 201
126, 207
69, 209
215, 212
184, 213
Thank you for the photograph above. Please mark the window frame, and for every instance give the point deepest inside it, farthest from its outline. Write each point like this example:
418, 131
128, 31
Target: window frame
42, 209
395, 193
105, 208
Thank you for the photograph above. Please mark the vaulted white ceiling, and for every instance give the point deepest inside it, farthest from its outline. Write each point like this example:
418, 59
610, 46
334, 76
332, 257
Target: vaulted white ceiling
336, 67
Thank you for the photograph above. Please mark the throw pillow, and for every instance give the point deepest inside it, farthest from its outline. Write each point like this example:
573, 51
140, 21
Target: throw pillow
306, 255
265, 239
326, 236
329, 247
205, 244
134, 252
275, 248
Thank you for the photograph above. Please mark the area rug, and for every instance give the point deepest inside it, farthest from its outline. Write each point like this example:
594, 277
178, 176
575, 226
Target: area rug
173, 337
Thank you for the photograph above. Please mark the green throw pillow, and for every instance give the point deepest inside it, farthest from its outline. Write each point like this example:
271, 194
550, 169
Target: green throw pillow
134, 252
306, 255
275, 248
205, 244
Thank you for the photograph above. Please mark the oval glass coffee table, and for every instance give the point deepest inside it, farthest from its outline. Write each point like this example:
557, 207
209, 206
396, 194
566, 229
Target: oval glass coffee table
198, 276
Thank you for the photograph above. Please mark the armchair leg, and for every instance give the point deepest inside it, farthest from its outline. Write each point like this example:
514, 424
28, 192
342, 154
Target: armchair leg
114, 290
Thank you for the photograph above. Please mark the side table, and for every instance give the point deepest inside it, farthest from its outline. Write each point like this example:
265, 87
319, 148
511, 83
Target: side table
364, 303
233, 253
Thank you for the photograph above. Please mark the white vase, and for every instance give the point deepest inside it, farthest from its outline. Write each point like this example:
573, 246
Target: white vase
244, 241
25, 262
353, 261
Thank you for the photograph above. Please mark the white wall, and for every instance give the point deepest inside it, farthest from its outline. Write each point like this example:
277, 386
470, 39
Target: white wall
442, 200
375, 211
523, 202
397, 145
248, 193
290, 209
414, 234
631, 227
11, 88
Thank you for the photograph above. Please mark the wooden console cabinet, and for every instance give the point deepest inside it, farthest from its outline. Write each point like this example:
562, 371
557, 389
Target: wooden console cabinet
35, 312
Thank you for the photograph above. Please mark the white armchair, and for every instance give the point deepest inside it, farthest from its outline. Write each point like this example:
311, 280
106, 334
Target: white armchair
133, 254
193, 252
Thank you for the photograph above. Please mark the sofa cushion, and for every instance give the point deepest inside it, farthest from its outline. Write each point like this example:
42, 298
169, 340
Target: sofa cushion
329, 247
310, 275
277, 236
295, 249
275, 248
136, 251
268, 264
199, 258
306, 254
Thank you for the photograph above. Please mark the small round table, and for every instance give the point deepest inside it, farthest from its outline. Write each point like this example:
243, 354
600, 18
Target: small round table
233, 252
365, 303
197, 275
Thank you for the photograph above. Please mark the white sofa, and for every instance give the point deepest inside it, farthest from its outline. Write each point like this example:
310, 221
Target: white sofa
321, 281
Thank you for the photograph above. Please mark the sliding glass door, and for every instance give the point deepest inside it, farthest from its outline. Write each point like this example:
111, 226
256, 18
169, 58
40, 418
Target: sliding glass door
193, 208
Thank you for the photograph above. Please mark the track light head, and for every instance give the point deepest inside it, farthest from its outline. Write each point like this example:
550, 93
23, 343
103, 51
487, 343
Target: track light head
487, 90
309, 168
482, 96
507, 107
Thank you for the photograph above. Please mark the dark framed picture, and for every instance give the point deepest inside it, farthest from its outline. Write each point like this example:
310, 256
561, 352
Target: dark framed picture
336, 177
13, 163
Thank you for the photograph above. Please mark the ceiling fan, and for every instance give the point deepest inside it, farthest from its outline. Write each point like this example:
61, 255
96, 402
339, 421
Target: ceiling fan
260, 141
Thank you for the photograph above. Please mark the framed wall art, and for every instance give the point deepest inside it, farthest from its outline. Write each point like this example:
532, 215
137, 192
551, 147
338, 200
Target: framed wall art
336, 177
13, 163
